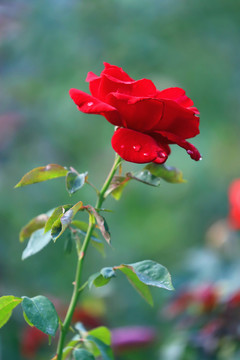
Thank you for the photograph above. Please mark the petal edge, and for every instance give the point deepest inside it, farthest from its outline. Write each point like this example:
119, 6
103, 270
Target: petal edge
137, 147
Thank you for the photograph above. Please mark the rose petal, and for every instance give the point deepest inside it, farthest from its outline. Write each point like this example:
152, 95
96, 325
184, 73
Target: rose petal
177, 94
141, 114
234, 202
90, 105
94, 86
127, 85
195, 110
114, 79
94, 83
162, 143
174, 139
234, 217
162, 158
234, 193
116, 72
147, 114
109, 84
178, 120
91, 76
172, 93
185, 101
137, 147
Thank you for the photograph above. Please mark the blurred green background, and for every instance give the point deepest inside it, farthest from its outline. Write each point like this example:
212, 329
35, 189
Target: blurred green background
48, 47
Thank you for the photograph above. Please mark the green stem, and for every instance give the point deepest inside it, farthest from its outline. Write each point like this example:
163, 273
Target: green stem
76, 291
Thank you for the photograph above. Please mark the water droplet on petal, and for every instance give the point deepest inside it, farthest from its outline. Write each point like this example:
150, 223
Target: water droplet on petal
161, 157
137, 147
90, 103
162, 154
200, 158
146, 154
122, 146
190, 152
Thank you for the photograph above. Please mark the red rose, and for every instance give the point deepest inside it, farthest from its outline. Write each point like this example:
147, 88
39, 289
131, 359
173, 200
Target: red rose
207, 296
234, 300
32, 340
234, 202
179, 304
88, 319
148, 119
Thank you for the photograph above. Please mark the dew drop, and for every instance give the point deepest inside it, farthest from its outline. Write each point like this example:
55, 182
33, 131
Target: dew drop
190, 152
146, 154
90, 103
162, 154
200, 158
122, 146
137, 147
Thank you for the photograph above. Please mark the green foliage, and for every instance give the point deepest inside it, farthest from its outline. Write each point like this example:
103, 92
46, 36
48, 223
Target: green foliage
42, 173
140, 286
27, 319
147, 273
64, 220
68, 216
81, 329
97, 342
7, 304
102, 224
75, 181
141, 275
82, 354
41, 313
167, 173
117, 186
102, 333
95, 241
38, 240
152, 273
83, 226
145, 177
100, 348
37, 223
60, 210
57, 229
107, 272
100, 278
70, 346
150, 175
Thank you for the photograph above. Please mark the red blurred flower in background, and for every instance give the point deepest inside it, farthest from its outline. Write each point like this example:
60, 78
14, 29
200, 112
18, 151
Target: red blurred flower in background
205, 298
234, 203
209, 317
148, 119
32, 340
